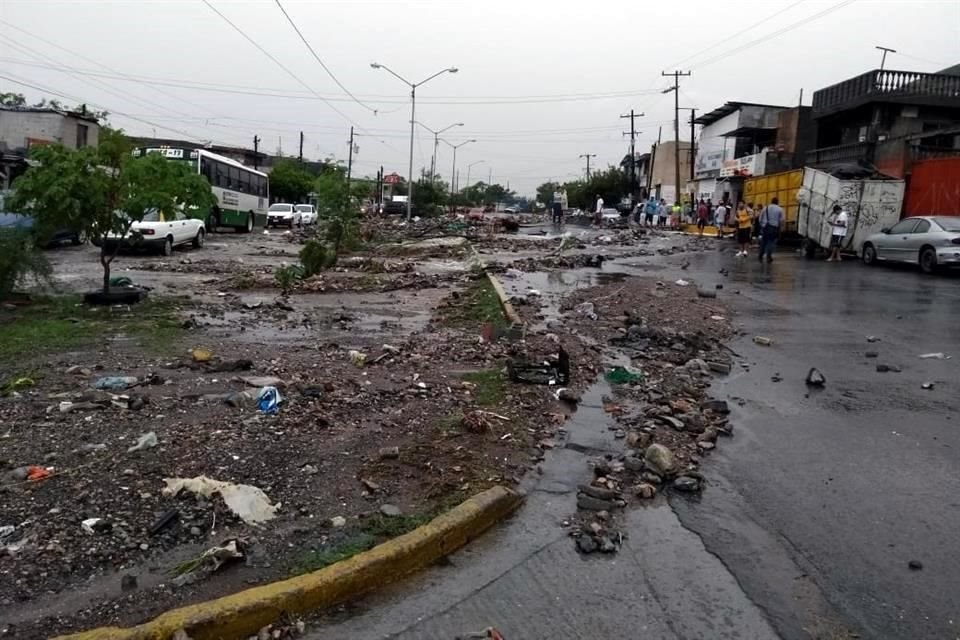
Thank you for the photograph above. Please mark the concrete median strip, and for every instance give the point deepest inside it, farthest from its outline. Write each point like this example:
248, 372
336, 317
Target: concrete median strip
512, 316
242, 614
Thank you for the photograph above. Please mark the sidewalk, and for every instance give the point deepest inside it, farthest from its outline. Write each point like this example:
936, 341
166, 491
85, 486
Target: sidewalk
527, 580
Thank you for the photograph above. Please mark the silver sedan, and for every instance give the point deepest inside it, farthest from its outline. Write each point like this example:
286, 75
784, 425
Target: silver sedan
928, 241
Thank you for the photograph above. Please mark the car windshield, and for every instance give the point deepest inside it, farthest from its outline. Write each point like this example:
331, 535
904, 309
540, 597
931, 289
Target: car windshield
949, 223
151, 216
281, 208
305, 207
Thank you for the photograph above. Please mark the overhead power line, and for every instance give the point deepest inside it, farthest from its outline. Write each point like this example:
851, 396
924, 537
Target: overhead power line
124, 76
731, 38
60, 94
279, 64
317, 58
384, 99
770, 36
96, 83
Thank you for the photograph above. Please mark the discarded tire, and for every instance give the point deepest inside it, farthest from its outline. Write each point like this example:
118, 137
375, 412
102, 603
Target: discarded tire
114, 296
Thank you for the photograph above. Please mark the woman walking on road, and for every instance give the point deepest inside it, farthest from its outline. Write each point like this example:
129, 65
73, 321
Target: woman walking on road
744, 229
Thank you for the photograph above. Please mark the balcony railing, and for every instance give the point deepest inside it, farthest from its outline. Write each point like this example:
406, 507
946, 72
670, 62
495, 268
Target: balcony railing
875, 86
928, 153
841, 153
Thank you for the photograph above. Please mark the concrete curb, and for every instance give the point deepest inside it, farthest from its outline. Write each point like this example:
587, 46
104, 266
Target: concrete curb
512, 316
505, 303
243, 614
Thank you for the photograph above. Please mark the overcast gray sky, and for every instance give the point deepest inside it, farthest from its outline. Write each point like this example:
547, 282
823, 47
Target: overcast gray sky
539, 84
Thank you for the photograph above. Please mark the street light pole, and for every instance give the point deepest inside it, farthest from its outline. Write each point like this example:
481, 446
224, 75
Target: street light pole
453, 170
436, 143
470, 166
413, 113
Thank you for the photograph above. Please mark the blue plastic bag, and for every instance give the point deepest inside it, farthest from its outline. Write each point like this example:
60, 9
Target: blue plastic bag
268, 400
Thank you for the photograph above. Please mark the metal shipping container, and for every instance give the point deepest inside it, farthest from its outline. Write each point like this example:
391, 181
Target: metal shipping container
762, 189
873, 205
934, 188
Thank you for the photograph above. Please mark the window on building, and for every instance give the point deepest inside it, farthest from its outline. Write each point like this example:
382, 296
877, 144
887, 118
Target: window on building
82, 132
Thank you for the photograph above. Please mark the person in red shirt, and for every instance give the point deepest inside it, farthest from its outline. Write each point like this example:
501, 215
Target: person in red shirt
703, 212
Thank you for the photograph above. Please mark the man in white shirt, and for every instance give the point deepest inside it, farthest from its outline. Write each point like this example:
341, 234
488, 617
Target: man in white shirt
720, 218
598, 214
838, 231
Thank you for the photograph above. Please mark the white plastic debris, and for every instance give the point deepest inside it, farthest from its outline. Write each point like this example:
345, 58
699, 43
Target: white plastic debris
534, 292
89, 525
682, 283
358, 358
249, 503
934, 356
145, 441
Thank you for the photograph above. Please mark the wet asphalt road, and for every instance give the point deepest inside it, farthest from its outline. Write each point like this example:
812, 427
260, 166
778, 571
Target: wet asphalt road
814, 509
852, 483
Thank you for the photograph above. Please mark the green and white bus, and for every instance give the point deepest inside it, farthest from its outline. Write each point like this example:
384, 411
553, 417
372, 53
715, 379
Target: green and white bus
243, 194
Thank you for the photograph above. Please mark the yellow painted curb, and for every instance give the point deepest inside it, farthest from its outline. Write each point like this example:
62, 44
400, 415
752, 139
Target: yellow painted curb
709, 230
243, 614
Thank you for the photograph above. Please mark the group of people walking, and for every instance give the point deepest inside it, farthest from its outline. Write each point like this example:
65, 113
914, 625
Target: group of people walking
762, 222
656, 213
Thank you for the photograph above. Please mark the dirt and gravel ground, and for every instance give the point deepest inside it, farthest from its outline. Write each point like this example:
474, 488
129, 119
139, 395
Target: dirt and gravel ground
427, 419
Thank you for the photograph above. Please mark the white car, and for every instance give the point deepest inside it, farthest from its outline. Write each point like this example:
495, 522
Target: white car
160, 231
308, 213
284, 215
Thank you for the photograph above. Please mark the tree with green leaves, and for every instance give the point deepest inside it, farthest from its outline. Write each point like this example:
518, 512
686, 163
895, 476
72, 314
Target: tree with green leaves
546, 190
290, 182
429, 197
12, 100
101, 192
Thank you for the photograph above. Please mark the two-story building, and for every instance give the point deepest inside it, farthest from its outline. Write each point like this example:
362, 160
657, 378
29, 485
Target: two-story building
24, 127
886, 120
661, 176
740, 140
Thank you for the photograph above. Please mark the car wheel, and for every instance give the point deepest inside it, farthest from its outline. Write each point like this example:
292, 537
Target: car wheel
928, 260
869, 255
198, 241
167, 248
79, 239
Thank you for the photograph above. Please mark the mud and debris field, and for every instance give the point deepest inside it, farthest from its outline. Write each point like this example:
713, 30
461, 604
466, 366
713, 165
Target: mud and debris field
395, 402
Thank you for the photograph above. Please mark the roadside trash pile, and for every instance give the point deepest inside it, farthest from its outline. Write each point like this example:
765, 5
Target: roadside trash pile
660, 403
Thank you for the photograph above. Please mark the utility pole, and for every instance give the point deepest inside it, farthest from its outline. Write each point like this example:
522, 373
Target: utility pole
653, 161
256, 152
301, 147
350, 162
693, 144
633, 152
883, 60
588, 156
676, 126
490, 178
